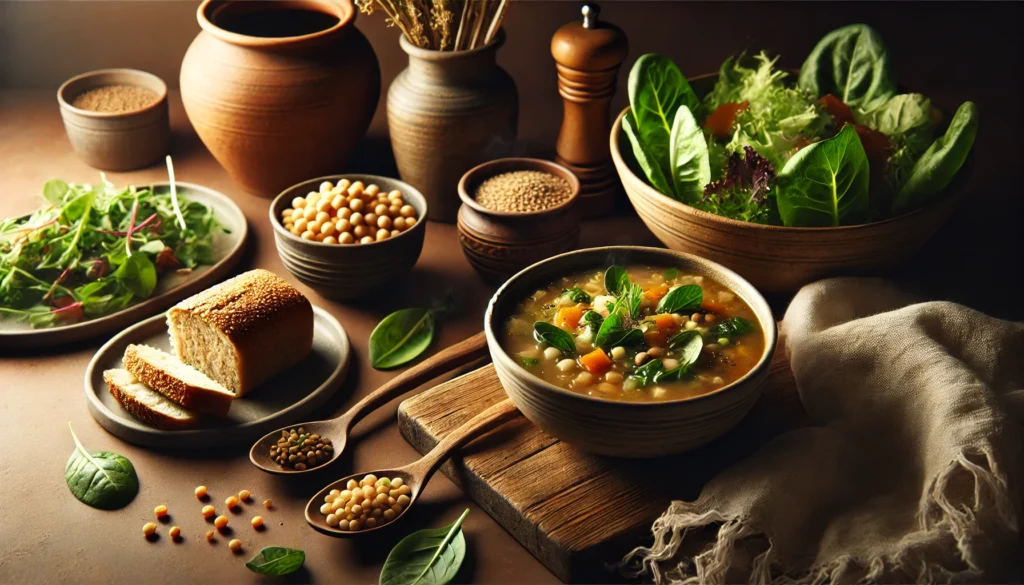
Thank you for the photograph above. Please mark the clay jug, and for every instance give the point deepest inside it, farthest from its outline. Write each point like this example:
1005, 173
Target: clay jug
279, 91
449, 111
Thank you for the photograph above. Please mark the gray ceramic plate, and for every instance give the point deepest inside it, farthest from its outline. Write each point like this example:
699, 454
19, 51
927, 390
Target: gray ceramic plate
227, 249
286, 398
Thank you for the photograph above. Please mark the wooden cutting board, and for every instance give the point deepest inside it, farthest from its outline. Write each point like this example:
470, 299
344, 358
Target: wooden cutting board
575, 511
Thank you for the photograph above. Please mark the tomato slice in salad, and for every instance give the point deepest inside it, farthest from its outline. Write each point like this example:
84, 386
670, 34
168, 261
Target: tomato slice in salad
721, 121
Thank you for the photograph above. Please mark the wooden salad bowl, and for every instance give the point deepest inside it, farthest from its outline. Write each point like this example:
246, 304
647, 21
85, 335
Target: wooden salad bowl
617, 428
778, 258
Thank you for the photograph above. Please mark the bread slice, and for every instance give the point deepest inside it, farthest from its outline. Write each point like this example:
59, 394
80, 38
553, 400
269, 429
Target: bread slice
176, 380
147, 405
243, 331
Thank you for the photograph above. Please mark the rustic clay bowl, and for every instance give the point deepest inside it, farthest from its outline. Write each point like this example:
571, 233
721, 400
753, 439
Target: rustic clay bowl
353, 270
499, 243
777, 258
121, 141
625, 429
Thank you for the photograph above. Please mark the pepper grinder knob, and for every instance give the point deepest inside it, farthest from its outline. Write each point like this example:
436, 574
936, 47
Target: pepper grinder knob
590, 14
588, 54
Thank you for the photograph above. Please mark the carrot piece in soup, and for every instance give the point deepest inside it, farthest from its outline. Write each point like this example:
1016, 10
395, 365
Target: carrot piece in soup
839, 111
656, 292
655, 337
721, 121
665, 321
596, 362
569, 317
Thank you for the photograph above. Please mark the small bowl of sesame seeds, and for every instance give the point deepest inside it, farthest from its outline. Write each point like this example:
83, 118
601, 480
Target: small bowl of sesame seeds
116, 119
516, 212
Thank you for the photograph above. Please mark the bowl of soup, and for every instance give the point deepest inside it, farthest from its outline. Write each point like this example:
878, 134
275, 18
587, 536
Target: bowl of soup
631, 351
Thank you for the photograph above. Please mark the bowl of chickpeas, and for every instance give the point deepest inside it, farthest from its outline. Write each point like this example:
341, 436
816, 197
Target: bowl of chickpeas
348, 235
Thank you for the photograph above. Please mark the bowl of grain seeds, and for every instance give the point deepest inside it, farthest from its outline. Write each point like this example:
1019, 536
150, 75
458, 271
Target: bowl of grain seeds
116, 119
515, 212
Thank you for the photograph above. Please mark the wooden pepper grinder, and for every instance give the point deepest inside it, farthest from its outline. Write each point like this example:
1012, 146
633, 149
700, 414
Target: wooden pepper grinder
588, 55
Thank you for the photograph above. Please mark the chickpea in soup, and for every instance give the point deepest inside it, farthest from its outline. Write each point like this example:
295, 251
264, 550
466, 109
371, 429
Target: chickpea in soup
636, 334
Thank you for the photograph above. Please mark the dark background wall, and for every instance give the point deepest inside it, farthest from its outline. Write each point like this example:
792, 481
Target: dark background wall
951, 51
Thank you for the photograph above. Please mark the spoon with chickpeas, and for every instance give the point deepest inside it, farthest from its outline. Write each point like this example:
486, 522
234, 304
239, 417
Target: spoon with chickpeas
310, 445
363, 503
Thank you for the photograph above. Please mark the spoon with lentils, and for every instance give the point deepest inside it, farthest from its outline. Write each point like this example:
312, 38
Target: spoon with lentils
313, 444
301, 450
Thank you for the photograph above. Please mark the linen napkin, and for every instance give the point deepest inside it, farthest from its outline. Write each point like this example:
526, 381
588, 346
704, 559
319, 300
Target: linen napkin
910, 472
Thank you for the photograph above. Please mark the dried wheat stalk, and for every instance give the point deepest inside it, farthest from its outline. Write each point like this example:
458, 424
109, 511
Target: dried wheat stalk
428, 23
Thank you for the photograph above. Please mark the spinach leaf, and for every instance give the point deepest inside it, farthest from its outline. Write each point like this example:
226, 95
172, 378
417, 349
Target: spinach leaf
939, 164
555, 337
616, 280
100, 479
670, 273
684, 299
826, 183
137, 274
612, 333
529, 362
688, 344
592, 319
577, 295
276, 561
690, 164
648, 373
907, 115
657, 89
645, 159
677, 373
731, 327
401, 337
852, 64
426, 557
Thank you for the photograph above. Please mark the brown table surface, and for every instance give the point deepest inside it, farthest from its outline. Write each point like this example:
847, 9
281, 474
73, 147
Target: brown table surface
48, 536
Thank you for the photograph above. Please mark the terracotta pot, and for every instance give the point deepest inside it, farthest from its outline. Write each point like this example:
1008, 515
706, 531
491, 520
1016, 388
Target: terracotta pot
499, 244
448, 112
276, 110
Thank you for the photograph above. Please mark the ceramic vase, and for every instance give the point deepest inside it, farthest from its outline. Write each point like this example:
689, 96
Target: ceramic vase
277, 110
449, 111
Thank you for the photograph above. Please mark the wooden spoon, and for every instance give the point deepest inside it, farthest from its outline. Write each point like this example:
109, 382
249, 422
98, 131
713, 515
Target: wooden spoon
416, 474
337, 429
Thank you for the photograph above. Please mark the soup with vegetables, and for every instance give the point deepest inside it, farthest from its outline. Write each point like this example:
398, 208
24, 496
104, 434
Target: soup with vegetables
636, 334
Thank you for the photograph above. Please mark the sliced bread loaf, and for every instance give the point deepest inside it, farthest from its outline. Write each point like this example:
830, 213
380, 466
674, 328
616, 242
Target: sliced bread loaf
244, 330
176, 380
147, 405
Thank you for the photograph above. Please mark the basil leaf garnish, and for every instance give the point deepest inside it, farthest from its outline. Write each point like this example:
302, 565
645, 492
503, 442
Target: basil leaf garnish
555, 337
684, 299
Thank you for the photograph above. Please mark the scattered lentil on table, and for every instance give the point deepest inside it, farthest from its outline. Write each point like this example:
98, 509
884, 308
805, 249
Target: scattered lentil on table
114, 99
160, 511
200, 492
299, 450
368, 503
523, 191
349, 213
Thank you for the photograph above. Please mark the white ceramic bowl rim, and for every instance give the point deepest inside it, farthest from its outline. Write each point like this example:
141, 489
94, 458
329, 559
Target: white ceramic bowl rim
404, 188
752, 297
